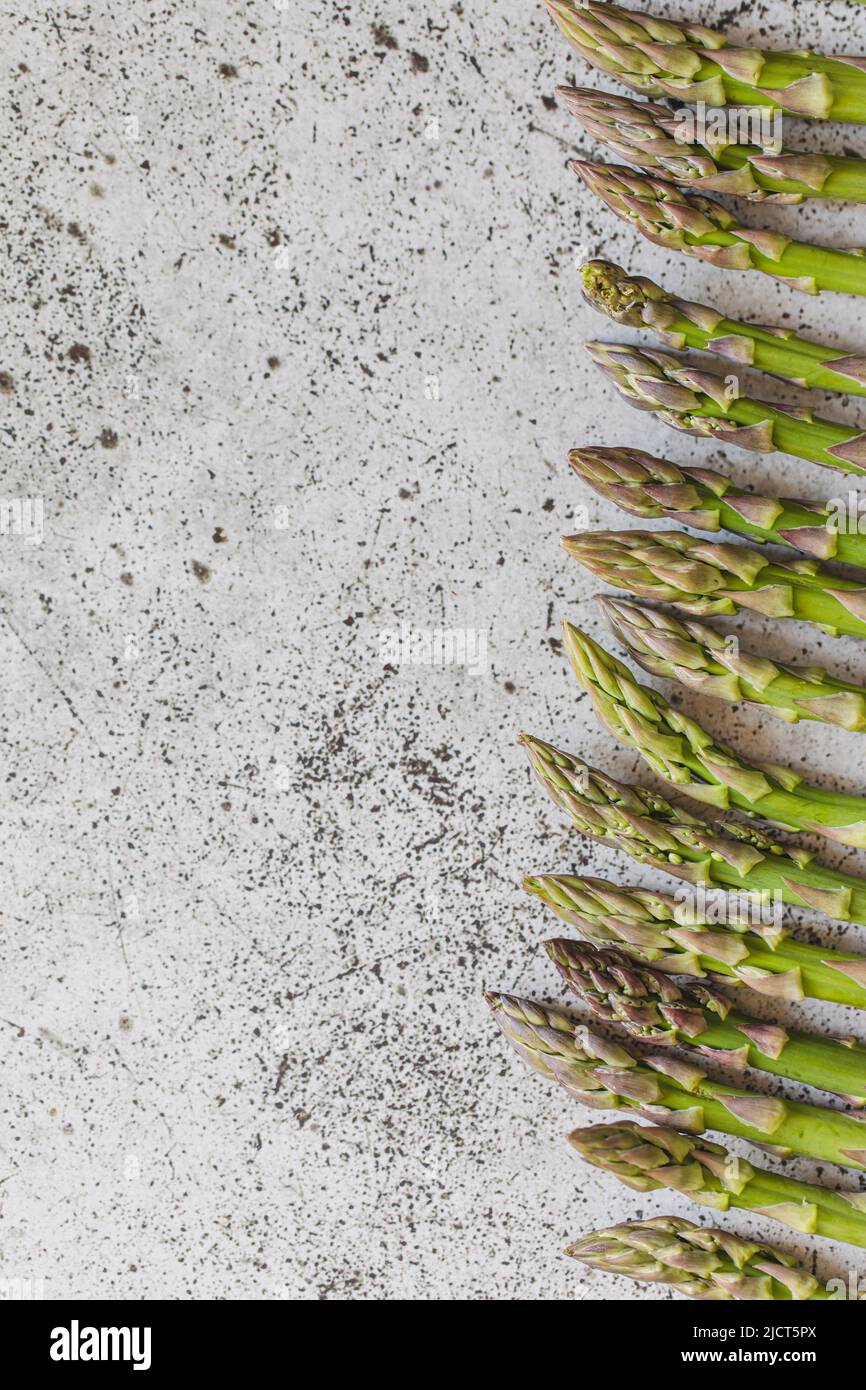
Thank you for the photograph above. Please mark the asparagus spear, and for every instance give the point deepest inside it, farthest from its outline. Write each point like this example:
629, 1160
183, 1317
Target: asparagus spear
730, 854
700, 227
685, 396
648, 1159
712, 579
703, 659
605, 1075
693, 63
640, 303
698, 1261
706, 500
655, 137
653, 1007
742, 946
678, 749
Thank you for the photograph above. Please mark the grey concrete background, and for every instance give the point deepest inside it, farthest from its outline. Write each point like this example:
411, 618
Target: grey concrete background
293, 357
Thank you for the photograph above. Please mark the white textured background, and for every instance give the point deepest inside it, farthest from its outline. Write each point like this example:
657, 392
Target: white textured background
254, 881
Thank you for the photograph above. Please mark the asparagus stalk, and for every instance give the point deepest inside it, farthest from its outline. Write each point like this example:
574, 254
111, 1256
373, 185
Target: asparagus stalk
742, 946
671, 143
647, 1159
730, 854
713, 579
700, 227
660, 1087
640, 303
652, 487
657, 57
698, 1262
687, 397
678, 749
653, 1007
703, 659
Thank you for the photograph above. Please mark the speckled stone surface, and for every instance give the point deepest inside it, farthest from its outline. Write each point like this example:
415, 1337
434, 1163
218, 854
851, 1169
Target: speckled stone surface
293, 359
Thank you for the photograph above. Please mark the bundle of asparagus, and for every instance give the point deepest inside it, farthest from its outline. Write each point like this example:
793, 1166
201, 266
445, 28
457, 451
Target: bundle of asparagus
651, 487
685, 754
707, 579
731, 855
656, 137
645, 942
650, 1158
653, 1007
702, 659
700, 227
738, 940
666, 1088
685, 396
693, 63
637, 302
698, 1261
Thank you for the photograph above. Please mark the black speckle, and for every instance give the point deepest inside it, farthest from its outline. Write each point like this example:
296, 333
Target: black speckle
548, 505
108, 438
7, 384
226, 240
75, 231
201, 572
79, 352
419, 62
382, 36
126, 578
228, 70
510, 687
549, 103
273, 363
219, 536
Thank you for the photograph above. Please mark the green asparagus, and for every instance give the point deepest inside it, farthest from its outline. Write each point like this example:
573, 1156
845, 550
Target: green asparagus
666, 1088
729, 854
700, 227
707, 661
672, 143
684, 395
652, 487
714, 579
699, 1262
640, 303
679, 750
649, 1158
693, 63
653, 1007
706, 933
